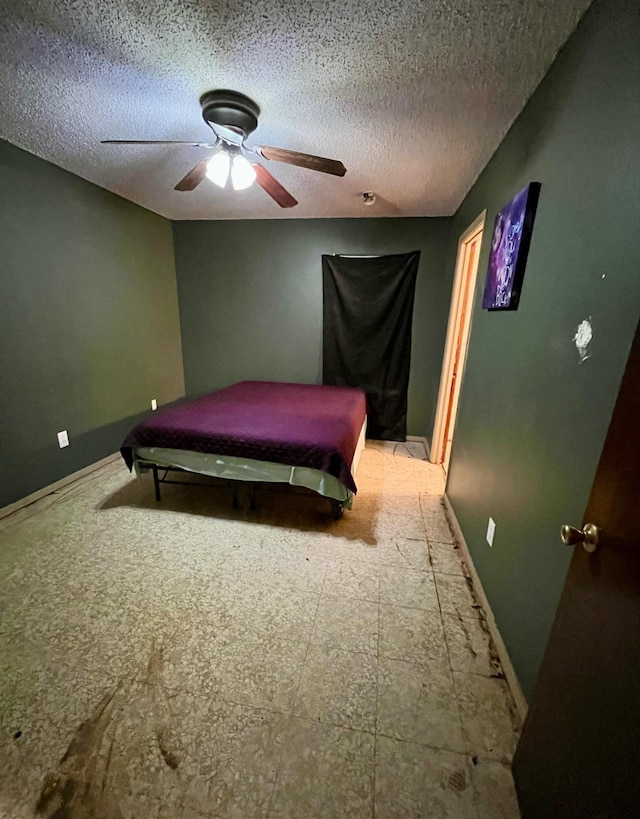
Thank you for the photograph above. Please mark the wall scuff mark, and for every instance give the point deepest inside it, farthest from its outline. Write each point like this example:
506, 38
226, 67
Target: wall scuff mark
582, 339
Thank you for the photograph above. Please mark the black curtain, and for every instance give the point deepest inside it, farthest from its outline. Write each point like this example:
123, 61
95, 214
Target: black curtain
368, 308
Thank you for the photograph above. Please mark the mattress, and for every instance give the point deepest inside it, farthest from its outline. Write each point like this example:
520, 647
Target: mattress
306, 426
246, 469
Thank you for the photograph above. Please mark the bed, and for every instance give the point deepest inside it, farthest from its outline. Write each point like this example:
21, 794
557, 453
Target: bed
258, 431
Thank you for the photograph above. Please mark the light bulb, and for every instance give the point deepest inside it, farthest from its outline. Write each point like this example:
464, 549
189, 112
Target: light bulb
218, 168
242, 173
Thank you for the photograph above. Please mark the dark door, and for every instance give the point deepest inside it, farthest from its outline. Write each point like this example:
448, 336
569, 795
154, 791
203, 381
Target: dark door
579, 754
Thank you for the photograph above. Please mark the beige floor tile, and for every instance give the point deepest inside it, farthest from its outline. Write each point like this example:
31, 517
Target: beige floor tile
368, 504
494, 791
194, 621
325, 773
488, 716
435, 520
408, 587
446, 558
431, 490
358, 580
399, 467
410, 554
261, 675
400, 486
390, 527
369, 468
396, 504
243, 667
227, 756
456, 596
369, 486
413, 635
338, 688
414, 781
417, 703
304, 571
430, 484
470, 646
396, 551
427, 471
40, 711
358, 526
277, 609
138, 748
345, 624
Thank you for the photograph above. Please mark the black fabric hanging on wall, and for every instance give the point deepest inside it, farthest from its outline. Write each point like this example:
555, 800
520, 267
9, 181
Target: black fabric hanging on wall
368, 308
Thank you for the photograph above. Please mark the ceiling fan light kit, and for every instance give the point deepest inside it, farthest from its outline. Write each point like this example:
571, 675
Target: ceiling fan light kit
233, 117
221, 166
242, 174
218, 168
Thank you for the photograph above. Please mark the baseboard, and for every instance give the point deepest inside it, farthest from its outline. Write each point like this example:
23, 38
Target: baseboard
54, 487
423, 440
507, 665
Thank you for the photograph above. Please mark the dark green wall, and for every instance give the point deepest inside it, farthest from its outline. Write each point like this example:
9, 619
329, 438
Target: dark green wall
89, 327
250, 297
532, 418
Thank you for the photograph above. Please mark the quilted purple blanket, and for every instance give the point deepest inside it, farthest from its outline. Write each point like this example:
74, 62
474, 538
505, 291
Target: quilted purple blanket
297, 424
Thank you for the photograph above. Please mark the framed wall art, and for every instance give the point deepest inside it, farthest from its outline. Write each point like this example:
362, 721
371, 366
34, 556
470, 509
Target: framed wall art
510, 242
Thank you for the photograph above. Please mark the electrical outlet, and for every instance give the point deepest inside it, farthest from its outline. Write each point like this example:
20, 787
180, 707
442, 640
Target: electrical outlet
154, 404
491, 529
63, 439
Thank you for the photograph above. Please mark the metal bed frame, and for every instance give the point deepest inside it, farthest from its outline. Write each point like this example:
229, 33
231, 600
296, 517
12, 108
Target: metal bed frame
337, 507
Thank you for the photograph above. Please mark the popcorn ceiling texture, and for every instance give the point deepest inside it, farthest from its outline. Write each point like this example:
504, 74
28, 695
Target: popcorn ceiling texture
413, 97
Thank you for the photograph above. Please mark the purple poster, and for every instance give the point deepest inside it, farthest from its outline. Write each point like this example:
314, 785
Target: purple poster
509, 247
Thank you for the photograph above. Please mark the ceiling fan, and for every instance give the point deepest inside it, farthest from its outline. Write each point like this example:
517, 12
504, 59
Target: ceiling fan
232, 117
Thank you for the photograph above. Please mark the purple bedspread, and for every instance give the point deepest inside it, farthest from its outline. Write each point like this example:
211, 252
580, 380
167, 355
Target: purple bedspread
298, 424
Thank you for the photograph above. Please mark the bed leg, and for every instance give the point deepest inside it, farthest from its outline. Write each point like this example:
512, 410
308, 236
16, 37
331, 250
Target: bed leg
234, 494
337, 508
252, 497
156, 482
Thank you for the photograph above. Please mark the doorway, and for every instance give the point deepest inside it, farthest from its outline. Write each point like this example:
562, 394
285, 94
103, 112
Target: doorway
455, 351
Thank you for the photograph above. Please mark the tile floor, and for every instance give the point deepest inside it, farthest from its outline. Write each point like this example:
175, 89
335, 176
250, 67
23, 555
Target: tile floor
184, 660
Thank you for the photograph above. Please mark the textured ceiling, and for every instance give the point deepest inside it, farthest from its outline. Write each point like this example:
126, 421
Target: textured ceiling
413, 97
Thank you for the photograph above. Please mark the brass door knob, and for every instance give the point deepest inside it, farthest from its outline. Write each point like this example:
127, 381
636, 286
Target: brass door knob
588, 536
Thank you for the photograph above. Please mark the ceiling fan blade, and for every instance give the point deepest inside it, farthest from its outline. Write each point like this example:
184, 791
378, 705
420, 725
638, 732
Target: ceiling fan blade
155, 142
194, 177
314, 163
275, 190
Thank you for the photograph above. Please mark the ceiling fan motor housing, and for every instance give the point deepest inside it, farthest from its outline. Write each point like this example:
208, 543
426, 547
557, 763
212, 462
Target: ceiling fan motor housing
230, 109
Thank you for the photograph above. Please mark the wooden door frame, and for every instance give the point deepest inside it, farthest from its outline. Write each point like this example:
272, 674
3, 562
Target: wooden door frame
455, 312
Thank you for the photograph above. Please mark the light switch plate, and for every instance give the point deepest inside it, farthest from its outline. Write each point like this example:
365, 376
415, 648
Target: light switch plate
154, 404
63, 439
491, 528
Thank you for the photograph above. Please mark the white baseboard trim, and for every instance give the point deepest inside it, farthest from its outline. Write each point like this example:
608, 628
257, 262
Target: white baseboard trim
505, 660
54, 487
422, 440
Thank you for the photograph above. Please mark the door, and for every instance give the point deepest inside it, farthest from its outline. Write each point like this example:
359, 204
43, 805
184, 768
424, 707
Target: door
457, 341
579, 754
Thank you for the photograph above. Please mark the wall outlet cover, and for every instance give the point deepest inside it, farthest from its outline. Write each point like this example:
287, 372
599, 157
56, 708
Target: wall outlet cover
491, 528
63, 439
154, 404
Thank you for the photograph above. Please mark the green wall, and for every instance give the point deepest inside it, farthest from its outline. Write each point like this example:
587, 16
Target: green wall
89, 327
251, 299
532, 418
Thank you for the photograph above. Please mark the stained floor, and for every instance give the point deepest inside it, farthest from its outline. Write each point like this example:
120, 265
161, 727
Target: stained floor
182, 660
